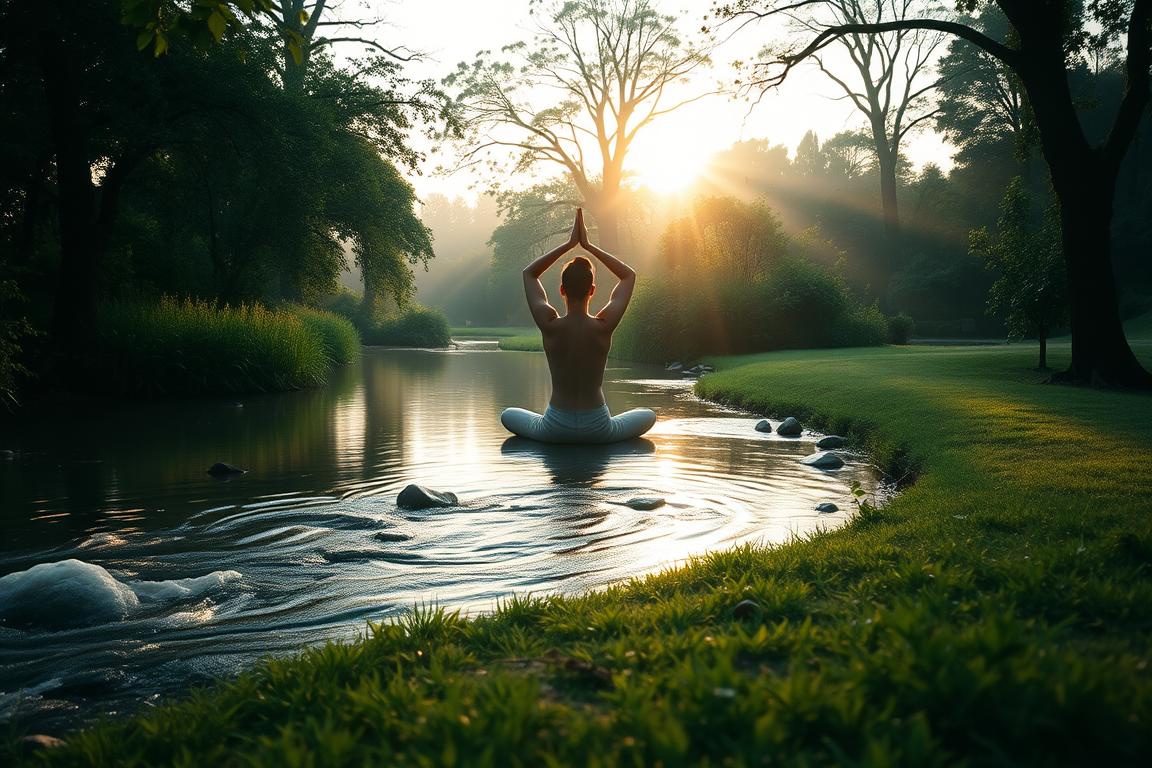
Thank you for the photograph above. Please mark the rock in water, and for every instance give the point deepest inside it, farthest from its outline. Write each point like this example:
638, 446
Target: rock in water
418, 497
823, 460
39, 741
674, 367
645, 502
745, 609
62, 595
73, 593
790, 427
827, 506
222, 469
763, 425
830, 441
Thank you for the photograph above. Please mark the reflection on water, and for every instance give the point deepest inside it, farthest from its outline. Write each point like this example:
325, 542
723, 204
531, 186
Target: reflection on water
313, 530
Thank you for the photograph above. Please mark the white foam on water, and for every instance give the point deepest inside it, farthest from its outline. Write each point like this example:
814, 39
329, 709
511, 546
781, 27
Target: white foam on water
73, 593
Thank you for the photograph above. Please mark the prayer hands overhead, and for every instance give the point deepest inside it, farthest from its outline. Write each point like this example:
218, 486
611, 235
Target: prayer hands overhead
579, 234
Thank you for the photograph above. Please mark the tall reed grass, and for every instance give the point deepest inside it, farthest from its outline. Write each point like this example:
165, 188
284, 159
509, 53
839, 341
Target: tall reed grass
339, 336
189, 346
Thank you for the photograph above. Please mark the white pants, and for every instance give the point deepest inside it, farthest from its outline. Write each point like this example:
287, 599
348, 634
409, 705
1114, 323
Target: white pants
594, 426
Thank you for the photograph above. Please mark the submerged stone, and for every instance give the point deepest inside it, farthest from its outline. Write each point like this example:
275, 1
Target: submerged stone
763, 425
674, 367
223, 469
418, 497
745, 609
830, 441
827, 506
790, 427
823, 460
645, 502
39, 741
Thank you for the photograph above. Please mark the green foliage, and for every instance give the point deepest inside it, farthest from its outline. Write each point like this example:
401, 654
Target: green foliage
1031, 290
337, 333
206, 21
994, 613
416, 327
730, 286
191, 347
900, 329
14, 333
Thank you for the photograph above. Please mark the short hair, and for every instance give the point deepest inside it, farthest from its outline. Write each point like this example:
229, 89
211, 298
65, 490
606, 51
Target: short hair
577, 278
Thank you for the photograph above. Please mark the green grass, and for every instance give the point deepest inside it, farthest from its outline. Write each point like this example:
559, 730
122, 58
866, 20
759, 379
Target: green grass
1139, 328
997, 612
191, 347
340, 339
490, 332
529, 342
417, 327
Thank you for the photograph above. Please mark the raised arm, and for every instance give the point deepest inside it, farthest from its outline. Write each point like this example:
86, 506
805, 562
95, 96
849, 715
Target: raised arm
613, 311
542, 311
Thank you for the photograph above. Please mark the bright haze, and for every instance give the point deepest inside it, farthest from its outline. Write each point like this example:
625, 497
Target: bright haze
673, 151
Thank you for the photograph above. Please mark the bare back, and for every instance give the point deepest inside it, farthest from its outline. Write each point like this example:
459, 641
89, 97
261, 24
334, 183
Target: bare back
577, 343
577, 347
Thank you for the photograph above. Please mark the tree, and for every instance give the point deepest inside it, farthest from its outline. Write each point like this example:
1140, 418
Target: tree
194, 172
1031, 288
595, 74
890, 86
1049, 37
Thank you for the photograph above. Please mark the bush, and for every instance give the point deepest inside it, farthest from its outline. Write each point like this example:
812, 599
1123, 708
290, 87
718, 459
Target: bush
13, 332
796, 305
339, 336
900, 329
188, 347
347, 306
418, 327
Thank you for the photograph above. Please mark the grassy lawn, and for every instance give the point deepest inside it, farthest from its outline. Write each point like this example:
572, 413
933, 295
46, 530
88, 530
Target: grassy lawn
997, 612
486, 332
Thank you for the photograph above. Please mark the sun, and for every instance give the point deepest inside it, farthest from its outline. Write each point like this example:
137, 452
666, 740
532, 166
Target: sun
668, 162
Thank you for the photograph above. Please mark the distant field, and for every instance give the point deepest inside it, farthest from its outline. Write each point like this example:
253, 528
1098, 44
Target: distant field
1139, 328
490, 332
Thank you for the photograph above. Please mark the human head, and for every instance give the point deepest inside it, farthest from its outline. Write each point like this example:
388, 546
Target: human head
577, 280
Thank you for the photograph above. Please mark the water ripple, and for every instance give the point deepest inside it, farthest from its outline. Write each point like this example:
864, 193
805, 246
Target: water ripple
320, 547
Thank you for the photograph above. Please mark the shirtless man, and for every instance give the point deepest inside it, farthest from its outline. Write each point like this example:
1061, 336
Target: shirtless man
576, 345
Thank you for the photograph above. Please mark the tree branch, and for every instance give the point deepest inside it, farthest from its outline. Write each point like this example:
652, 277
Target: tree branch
320, 42
1005, 54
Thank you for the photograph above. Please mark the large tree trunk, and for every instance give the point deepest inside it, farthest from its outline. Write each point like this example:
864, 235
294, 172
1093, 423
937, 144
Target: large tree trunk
1085, 187
604, 205
890, 262
1100, 351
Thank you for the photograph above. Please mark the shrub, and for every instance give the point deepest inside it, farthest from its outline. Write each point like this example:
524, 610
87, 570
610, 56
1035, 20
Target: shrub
339, 336
900, 329
418, 327
197, 347
347, 306
13, 332
797, 304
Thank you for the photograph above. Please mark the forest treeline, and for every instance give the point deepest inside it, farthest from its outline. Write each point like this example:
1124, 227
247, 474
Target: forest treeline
234, 154
248, 170
824, 194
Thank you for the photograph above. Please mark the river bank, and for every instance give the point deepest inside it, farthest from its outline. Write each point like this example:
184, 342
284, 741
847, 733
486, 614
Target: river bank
997, 611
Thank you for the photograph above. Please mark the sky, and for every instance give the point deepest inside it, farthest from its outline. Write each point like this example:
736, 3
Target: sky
450, 31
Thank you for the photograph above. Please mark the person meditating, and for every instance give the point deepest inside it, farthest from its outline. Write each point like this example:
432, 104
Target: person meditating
576, 345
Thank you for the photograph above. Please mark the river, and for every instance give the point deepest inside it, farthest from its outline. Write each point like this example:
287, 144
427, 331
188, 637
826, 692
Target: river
168, 578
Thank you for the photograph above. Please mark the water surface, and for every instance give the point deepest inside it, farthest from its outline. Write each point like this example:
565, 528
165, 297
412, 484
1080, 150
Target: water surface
309, 544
